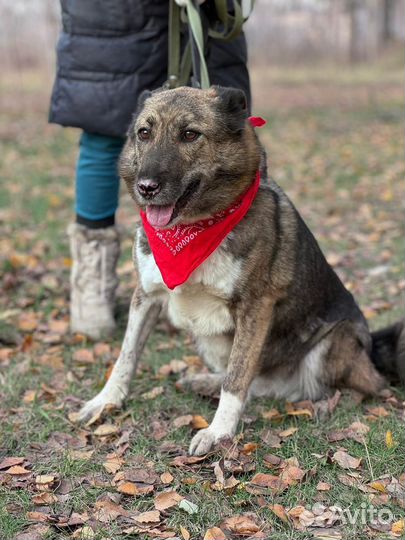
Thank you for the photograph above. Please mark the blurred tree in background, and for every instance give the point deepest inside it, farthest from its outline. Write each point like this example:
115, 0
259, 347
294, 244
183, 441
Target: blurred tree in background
279, 31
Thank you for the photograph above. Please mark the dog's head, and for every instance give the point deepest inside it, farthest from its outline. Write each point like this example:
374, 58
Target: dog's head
189, 153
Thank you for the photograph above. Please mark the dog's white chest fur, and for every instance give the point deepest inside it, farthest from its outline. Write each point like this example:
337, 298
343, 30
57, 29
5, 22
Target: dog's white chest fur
201, 305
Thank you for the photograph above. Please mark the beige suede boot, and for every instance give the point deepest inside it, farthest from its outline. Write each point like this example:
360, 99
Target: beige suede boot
93, 280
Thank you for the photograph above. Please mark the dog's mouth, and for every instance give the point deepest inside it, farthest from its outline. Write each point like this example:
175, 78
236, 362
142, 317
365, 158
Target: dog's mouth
160, 216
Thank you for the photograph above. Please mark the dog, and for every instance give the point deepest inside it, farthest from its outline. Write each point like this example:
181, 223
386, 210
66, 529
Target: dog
268, 314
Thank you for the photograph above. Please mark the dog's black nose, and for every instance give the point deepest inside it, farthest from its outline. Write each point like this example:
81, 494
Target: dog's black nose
148, 188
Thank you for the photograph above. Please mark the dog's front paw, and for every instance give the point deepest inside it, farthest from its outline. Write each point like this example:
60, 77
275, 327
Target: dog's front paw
205, 440
96, 406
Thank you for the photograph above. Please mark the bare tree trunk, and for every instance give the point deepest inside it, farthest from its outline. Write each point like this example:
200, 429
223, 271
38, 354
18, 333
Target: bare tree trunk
359, 42
388, 7
365, 18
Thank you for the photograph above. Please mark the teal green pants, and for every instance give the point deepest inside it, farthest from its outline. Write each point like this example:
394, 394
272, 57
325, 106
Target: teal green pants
97, 180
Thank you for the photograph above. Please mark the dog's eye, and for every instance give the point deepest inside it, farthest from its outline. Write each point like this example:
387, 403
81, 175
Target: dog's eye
144, 134
190, 136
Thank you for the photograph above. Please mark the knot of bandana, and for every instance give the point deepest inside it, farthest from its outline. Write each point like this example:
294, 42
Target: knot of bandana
179, 250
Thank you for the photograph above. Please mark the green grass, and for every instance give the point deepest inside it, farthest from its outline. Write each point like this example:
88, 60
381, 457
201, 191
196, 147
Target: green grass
341, 164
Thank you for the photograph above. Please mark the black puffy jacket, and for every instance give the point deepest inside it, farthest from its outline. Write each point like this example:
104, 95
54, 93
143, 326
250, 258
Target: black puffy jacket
109, 51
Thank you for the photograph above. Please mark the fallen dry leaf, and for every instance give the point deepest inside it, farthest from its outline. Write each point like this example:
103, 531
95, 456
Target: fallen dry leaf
146, 476
355, 432
359, 427
389, 439
159, 429
102, 349
166, 478
45, 479
279, 511
222, 483
219, 471
301, 517
154, 393
152, 516
241, 525
107, 510
181, 461
5, 355
28, 321
128, 488
288, 432
323, 486
74, 520
58, 326
184, 533
105, 430
11, 462
378, 486
264, 480
181, 421
81, 455
84, 533
249, 448
199, 422
269, 481
174, 366
190, 481
272, 414
29, 396
379, 412
53, 361
166, 500
83, 356
73, 417
215, 533
17, 470
193, 360
270, 438
108, 372
345, 460
327, 534
113, 463
349, 481
398, 528
44, 498
34, 532
296, 411
38, 517
291, 475
272, 461
325, 407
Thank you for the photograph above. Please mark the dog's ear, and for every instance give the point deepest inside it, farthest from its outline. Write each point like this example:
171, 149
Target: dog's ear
143, 96
232, 107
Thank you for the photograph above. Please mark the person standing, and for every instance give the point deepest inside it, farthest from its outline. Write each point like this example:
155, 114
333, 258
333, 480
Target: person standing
108, 53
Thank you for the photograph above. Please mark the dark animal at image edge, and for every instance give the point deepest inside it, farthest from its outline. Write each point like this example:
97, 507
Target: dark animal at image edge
268, 314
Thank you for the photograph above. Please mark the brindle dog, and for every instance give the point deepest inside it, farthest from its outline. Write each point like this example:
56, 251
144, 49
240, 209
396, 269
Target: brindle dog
269, 315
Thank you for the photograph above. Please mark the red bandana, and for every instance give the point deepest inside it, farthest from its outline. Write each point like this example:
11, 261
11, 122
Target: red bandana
178, 251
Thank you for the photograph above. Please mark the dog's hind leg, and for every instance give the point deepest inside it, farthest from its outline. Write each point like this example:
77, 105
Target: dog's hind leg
348, 364
143, 314
252, 324
215, 351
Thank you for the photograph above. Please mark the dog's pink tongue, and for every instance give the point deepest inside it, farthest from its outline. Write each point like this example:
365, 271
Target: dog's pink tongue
159, 216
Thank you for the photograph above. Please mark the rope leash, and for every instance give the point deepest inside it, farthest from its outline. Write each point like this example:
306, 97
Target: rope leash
193, 60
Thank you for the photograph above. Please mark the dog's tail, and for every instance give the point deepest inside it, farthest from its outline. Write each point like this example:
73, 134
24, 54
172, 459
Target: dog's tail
388, 351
